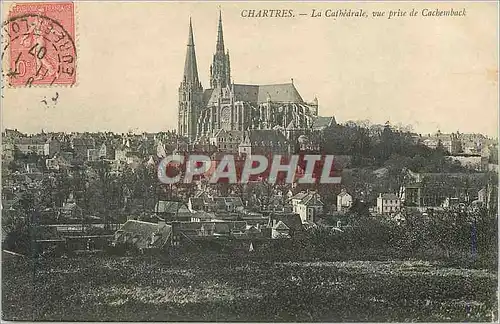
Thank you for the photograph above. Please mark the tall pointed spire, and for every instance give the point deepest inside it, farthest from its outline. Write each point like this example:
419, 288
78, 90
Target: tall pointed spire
190, 92
220, 35
190, 66
220, 73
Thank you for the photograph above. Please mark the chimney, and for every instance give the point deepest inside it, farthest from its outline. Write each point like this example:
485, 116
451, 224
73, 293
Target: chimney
339, 223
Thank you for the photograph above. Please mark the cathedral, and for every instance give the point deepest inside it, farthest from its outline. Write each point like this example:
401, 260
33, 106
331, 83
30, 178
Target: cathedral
234, 107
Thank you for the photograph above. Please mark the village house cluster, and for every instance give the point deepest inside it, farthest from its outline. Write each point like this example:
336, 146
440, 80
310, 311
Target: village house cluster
243, 214
88, 191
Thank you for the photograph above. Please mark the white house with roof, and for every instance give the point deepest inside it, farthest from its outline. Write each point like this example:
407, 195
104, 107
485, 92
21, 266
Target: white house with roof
344, 200
388, 203
307, 205
279, 230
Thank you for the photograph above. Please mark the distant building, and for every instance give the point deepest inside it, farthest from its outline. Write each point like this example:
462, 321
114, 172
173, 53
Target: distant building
280, 230
58, 162
201, 231
307, 205
449, 142
230, 204
7, 152
80, 146
450, 202
37, 145
197, 204
427, 190
172, 210
92, 155
263, 141
143, 235
121, 154
344, 201
227, 140
388, 203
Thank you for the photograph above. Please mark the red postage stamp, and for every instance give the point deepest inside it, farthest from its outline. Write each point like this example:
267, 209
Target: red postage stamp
41, 44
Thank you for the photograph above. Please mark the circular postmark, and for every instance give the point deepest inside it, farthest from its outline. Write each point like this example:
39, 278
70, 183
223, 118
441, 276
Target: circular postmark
40, 51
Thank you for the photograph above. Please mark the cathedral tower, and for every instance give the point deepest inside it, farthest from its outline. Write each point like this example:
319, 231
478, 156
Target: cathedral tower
220, 71
190, 92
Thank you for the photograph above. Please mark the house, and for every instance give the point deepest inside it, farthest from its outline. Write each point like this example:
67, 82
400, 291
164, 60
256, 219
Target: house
133, 158
172, 210
423, 190
230, 204
307, 205
295, 199
252, 231
279, 230
71, 210
31, 168
450, 202
7, 152
92, 154
388, 203
344, 201
483, 199
197, 204
37, 145
121, 154
58, 162
51, 147
263, 141
449, 142
482, 195
202, 216
80, 146
192, 231
203, 144
227, 141
292, 220
321, 123
143, 235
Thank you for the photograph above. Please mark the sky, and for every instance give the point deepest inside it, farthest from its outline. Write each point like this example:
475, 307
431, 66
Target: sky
430, 72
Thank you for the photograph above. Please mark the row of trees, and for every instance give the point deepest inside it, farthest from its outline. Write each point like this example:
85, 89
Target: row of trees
453, 236
388, 147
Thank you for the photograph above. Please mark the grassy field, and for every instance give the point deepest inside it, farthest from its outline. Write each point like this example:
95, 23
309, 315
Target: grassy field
218, 288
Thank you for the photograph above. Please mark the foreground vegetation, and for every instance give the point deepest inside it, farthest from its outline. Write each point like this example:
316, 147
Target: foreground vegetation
247, 287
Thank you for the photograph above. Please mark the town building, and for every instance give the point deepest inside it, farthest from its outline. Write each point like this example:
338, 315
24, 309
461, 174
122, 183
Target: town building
143, 235
388, 203
424, 190
37, 145
344, 201
263, 141
450, 143
308, 205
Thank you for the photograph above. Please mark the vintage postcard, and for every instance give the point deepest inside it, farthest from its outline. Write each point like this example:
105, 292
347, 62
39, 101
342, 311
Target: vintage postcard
249, 161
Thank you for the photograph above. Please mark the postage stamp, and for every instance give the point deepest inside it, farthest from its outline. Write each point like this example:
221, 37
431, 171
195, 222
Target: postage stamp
41, 44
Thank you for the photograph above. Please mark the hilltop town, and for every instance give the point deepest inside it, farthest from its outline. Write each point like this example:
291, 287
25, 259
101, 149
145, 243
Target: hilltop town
89, 191
84, 192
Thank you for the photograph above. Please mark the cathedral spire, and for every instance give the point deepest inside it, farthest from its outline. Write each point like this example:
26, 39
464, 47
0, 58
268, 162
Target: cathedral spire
190, 92
220, 35
220, 71
190, 66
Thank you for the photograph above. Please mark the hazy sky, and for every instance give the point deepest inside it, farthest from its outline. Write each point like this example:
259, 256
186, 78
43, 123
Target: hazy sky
433, 73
